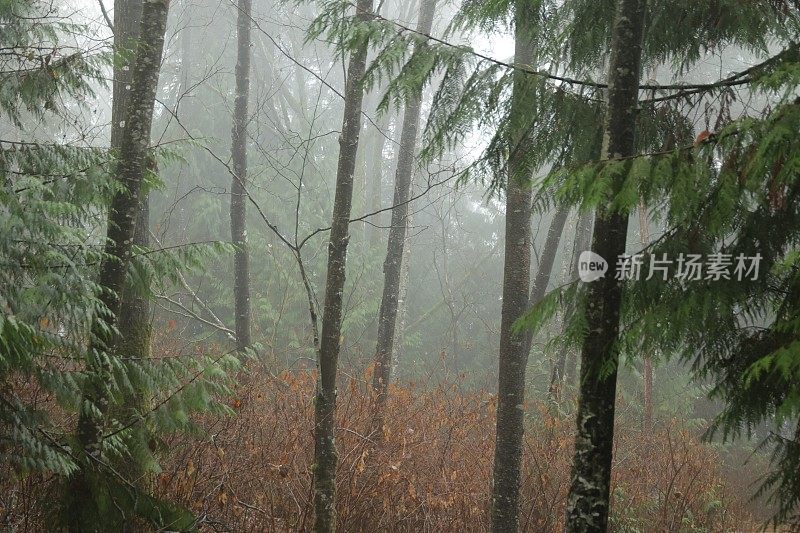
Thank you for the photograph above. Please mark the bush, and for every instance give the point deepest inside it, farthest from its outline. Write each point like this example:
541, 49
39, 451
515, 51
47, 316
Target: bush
429, 469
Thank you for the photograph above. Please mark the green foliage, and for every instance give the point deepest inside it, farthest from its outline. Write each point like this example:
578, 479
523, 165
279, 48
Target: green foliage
50, 196
53, 197
116, 494
735, 193
753, 26
564, 121
37, 72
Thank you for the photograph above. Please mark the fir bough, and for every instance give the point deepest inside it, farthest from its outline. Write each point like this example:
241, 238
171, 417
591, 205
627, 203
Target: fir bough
53, 197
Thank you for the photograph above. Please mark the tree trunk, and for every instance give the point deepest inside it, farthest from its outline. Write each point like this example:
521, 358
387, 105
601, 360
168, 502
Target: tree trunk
545, 270
376, 165
402, 303
360, 176
392, 266
325, 457
548, 258
583, 238
131, 166
514, 347
647, 419
127, 22
241, 267
134, 317
588, 499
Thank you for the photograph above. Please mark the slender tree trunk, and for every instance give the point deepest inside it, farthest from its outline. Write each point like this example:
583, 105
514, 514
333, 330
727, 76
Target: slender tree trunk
647, 419
588, 499
514, 347
241, 267
183, 217
376, 165
548, 259
392, 266
402, 303
325, 457
583, 239
361, 174
132, 162
545, 270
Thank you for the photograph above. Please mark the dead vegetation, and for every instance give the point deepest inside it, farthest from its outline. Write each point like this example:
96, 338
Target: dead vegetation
427, 469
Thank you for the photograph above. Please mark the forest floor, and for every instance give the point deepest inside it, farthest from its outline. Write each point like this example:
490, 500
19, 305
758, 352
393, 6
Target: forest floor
428, 467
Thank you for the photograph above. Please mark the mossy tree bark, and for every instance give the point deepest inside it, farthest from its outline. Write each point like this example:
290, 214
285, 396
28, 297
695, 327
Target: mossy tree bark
588, 498
134, 317
133, 158
325, 457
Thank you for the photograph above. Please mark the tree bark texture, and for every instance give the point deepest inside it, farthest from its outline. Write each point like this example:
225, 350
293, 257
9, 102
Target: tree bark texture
132, 162
588, 498
241, 266
513, 352
392, 266
325, 457
134, 317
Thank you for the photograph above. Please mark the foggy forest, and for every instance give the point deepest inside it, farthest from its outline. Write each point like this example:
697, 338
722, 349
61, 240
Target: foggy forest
402, 266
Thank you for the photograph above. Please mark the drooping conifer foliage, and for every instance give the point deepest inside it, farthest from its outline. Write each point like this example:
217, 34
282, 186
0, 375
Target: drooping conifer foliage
475, 93
725, 195
48, 295
55, 190
327, 381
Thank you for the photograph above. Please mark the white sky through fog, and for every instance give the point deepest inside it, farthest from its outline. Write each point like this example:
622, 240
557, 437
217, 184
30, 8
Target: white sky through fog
715, 64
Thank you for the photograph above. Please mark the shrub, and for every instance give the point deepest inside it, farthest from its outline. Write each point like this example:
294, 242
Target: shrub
429, 467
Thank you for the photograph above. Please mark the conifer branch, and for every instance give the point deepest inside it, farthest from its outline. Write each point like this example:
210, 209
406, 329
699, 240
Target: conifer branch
684, 89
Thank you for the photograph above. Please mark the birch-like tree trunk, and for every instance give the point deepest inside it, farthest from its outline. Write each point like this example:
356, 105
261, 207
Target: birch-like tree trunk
392, 265
241, 260
588, 498
516, 282
133, 158
325, 457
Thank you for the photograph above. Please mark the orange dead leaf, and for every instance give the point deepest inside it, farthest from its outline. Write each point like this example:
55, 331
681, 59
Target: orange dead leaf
702, 137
